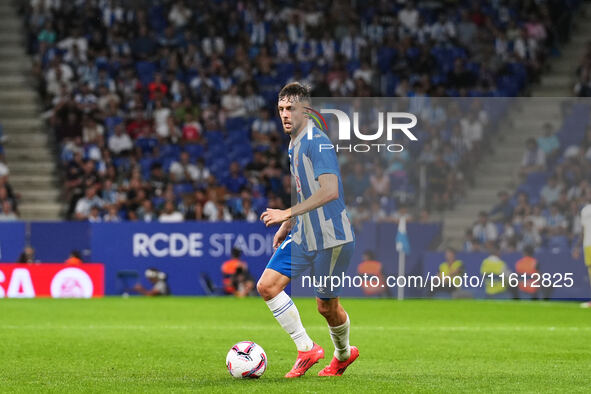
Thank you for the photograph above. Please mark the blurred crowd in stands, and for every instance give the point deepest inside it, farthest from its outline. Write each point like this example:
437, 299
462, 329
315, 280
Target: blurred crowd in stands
582, 87
545, 211
8, 198
165, 110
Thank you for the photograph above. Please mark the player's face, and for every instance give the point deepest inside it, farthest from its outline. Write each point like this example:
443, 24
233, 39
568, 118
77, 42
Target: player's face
292, 114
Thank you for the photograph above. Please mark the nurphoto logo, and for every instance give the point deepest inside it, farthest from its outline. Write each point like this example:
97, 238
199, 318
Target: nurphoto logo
394, 122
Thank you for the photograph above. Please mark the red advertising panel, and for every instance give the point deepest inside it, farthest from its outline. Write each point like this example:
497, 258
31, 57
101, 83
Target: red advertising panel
51, 280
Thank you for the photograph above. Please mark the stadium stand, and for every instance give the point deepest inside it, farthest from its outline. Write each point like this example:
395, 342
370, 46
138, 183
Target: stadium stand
152, 102
544, 211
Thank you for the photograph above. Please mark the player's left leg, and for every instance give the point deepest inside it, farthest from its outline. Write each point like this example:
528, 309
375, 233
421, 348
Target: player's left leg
338, 325
334, 262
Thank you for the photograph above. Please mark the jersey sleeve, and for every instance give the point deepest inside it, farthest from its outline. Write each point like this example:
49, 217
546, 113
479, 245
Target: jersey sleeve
324, 160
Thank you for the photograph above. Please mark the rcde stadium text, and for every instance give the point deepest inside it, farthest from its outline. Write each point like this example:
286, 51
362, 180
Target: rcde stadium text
193, 244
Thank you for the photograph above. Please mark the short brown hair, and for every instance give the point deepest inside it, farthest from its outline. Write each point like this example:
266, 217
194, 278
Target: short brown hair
295, 91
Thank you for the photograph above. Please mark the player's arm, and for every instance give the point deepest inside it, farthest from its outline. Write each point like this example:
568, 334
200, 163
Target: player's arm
282, 233
327, 192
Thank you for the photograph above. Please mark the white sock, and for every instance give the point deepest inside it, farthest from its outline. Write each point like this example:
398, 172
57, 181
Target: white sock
340, 338
286, 313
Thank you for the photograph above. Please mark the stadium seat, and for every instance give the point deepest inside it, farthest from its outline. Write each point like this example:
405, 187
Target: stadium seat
183, 188
194, 150
233, 124
557, 244
146, 144
145, 71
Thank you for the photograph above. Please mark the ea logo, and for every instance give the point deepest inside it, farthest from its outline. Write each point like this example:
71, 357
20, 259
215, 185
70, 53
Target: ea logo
71, 283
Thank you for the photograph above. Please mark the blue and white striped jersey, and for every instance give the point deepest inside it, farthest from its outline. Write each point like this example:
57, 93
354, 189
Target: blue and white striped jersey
329, 225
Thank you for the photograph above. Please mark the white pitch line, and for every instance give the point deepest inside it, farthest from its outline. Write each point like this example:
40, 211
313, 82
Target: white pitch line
261, 327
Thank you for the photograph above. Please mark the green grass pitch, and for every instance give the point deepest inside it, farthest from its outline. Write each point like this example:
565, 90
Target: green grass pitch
179, 345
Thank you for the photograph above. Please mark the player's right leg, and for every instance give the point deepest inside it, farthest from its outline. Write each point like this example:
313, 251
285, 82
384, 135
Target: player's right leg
271, 287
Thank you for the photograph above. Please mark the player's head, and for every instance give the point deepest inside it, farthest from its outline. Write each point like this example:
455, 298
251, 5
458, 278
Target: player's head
293, 100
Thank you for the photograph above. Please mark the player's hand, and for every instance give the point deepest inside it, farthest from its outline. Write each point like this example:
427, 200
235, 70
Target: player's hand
279, 237
275, 216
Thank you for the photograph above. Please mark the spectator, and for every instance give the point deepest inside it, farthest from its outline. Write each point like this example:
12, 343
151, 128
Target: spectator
551, 191
549, 143
220, 213
522, 209
157, 88
556, 223
158, 180
4, 171
92, 132
380, 182
161, 120
508, 236
120, 143
408, 17
86, 203
533, 160
262, 128
233, 104
530, 236
503, 211
192, 129
170, 214
253, 102
184, 170
112, 215
236, 182
247, 213
484, 231
7, 214
95, 215
203, 173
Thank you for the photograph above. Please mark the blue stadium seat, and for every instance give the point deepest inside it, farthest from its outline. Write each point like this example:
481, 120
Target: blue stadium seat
145, 166
183, 188
170, 151
194, 150
235, 123
166, 162
259, 204
146, 144
558, 242
145, 71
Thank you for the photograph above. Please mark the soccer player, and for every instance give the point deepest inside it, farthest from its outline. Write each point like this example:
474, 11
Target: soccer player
315, 234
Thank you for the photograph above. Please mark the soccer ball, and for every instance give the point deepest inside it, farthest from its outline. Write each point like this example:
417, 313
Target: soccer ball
246, 360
